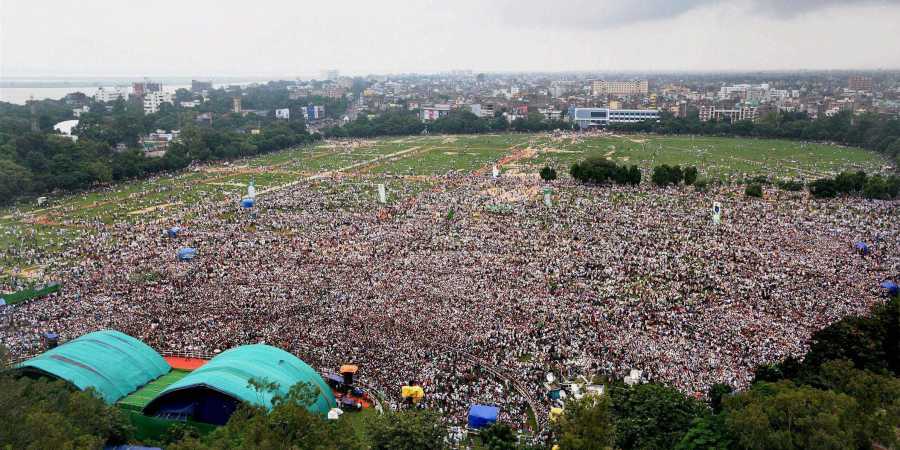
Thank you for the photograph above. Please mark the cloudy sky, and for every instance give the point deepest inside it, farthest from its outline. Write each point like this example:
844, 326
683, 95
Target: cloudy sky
294, 38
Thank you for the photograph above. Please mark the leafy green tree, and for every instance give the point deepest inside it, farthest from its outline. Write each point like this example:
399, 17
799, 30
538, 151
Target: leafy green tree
40, 414
498, 436
652, 415
587, 423
753, 190
690, 175
15, 180
411, 429
786, 416
706, 433
717, 393
823, 188
548, 173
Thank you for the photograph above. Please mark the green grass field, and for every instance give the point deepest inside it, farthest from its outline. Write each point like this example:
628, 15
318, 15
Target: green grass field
407, 165
140, 398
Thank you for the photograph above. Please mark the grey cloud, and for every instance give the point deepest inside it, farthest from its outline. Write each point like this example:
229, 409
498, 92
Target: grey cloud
599, 14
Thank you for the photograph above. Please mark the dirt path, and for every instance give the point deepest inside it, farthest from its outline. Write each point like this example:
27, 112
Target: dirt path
515, 156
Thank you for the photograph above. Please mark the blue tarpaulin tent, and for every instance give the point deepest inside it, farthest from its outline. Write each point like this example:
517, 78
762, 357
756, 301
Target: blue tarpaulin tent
248, 202
482, 415
891, 287
186, 253
173, 232
862, 247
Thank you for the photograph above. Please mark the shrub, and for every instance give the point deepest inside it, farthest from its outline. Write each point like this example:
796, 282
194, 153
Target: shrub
690, 175
789, 185
848, 182
823, 188
600, 170
548, 173
753, 190
665, 174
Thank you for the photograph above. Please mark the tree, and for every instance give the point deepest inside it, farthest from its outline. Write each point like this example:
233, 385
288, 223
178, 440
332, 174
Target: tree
38, 414
411, 429
587, 423
753, 190
548, 173
717, 393
786, 416
690, 175
15, 180
498, 436
823, 188
652, 415
706, 433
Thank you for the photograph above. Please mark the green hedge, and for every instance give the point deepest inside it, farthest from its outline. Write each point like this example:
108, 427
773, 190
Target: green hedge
29, 294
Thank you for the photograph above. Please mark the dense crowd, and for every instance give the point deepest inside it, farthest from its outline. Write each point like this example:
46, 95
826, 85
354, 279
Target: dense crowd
603, 281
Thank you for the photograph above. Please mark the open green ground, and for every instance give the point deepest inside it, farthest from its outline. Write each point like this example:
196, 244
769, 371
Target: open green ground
407, 165
140, 398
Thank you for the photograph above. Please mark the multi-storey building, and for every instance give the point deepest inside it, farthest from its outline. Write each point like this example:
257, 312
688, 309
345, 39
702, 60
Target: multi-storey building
635, 87
708, 113
860, 83
601, 117
313, 112
109, 94
153, 100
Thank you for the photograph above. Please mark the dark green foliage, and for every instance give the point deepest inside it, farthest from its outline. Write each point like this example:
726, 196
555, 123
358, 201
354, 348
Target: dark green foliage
39, 414
753, 190
706, 433
652, 415
498, 436
871, 343
857, 183
717, 392
789, 185
600, 170
415, 429
849, 182
690, 175
548, 173
665, 175
823, 188
587, 424
786, 416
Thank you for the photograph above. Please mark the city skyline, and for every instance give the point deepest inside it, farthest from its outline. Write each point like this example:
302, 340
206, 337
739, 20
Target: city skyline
281, 40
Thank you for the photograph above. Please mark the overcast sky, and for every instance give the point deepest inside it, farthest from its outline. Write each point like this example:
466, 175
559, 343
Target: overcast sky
293, 38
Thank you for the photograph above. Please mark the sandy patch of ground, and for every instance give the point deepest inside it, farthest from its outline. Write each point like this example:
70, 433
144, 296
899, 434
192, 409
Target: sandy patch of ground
451, 153
449, 140
153, 208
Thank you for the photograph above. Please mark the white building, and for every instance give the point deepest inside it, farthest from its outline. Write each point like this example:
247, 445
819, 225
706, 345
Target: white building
109, 94
77, 112
153, 100
601, 117
708, 113
435, 112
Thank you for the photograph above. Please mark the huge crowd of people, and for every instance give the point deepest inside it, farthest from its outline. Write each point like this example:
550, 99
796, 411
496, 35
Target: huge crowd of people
604, 280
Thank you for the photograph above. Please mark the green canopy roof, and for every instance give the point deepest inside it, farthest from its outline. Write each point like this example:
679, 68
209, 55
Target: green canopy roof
231, 371
113, 363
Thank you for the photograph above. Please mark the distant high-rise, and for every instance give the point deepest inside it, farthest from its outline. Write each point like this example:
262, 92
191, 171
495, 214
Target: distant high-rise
635, 87
34, 119
860, 83
198, 86
330, 75
236, 105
